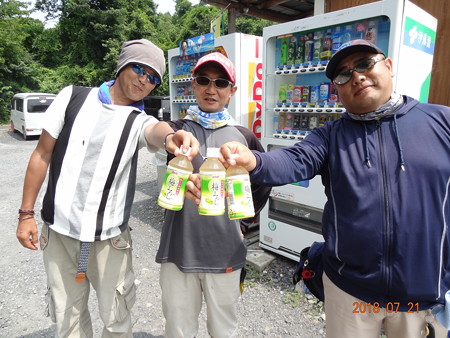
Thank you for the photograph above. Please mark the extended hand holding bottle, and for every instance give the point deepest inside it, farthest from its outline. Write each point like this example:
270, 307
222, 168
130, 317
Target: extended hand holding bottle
174, 186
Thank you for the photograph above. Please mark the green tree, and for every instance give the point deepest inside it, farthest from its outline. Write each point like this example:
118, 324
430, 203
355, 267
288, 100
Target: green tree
17, 33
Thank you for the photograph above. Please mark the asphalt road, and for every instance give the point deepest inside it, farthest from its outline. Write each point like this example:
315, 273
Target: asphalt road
268, 308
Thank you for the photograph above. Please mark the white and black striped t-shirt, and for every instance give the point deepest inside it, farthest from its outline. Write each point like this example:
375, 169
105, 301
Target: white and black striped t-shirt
93, 168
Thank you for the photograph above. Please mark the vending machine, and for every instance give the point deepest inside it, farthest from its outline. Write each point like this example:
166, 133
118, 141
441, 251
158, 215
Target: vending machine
297, 97
245, 51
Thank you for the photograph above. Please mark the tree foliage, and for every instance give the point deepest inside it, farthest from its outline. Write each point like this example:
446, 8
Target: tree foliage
82, 48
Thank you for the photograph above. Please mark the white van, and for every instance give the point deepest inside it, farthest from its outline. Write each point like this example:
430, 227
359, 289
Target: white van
27, 112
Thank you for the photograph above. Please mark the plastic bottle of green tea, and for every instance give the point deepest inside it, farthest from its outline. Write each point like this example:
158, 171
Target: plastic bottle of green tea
239, 193
174, 185
212, 175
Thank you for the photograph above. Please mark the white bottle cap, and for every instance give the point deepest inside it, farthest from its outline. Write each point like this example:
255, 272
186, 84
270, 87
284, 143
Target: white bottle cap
212, 152
187, 153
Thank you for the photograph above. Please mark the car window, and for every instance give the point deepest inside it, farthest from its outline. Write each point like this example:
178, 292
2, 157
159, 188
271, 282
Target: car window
38, 105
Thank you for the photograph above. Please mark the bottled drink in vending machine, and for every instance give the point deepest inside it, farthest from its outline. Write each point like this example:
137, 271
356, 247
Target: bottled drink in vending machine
324, 92
283, 51
360, 30
292, 50
309, 47
282, 93
371, 33
347, 36
336, 40
212, 174
314, 95
300, 54
325, 54
318, 41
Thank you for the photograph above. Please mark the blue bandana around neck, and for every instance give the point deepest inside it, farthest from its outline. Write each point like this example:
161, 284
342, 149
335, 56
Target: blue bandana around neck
209, 120
105, 97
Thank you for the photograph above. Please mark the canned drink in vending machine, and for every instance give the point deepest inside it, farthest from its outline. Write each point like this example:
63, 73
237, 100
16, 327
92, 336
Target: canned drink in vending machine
297, 94
290, 93
304, 121
333, 95
313, 121
296, 124
282, 120
289, 121
306, 93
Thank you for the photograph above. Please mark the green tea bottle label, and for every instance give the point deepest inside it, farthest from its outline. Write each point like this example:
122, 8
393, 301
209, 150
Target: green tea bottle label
173, 188
212, 201
239, 197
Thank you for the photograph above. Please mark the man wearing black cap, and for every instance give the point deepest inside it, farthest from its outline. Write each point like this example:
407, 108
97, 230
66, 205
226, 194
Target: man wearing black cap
386, 171
90, 140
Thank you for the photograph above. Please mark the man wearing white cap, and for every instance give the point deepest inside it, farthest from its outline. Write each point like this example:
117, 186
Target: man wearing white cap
90, 140
204, 256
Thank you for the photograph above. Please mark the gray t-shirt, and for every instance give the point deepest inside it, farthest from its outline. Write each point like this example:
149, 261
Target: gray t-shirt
211, 244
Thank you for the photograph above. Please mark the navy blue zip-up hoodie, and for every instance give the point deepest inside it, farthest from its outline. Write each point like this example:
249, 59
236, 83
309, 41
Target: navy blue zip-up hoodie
386, 220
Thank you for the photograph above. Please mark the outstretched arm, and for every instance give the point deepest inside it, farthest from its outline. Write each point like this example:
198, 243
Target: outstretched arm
163, 136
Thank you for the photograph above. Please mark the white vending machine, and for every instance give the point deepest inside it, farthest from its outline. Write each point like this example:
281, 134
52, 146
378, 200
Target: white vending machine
245, 51
297, 97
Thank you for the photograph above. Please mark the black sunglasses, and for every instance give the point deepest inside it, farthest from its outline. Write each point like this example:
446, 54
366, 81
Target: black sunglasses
219, 83
362, 67
139, 70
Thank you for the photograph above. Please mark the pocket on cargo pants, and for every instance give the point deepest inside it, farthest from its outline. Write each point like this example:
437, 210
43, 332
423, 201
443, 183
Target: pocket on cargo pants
125, 296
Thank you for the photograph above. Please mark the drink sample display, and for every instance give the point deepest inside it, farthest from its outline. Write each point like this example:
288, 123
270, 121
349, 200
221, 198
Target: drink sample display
174, 185
304, 49
306, 97
212, 175
239, 193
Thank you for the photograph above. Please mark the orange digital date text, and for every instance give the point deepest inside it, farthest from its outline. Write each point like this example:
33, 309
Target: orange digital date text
391, 307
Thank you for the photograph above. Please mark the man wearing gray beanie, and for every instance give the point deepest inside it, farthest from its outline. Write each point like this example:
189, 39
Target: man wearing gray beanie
90, 141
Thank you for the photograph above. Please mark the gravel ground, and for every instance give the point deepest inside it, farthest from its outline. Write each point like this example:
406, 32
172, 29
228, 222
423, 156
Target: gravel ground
269, 307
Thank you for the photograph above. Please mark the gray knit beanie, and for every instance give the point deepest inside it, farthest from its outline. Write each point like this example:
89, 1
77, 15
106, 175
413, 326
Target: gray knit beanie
144, 53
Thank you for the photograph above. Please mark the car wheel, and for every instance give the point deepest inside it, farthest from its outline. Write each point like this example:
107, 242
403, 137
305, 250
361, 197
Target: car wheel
25, 136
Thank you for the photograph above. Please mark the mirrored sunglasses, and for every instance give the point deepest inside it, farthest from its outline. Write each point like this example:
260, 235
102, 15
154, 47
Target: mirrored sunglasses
219, 83
139, 70
362, 66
